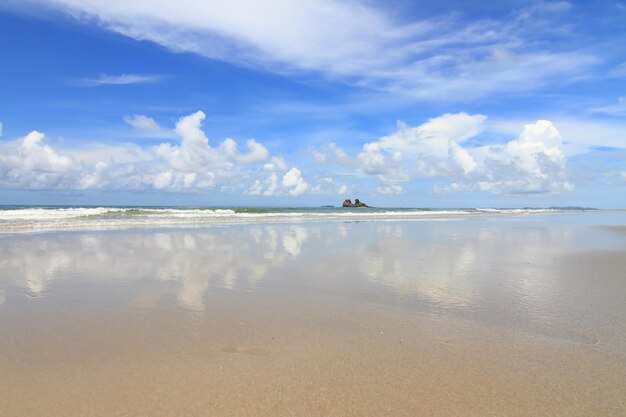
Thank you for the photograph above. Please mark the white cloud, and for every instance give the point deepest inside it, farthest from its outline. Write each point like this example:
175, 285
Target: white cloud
1, 129
35, 156
123, 79
267, 187
330, 153
462, 157
326, 185
438, 58
319, 157
278, 163
580, 134
29, 163
272, 185
438, 138
294, 182
532, 163
256, 151
390, 189
193, 164
341, 156
434, 137
141, 122
372, 160
163, 180
194, 152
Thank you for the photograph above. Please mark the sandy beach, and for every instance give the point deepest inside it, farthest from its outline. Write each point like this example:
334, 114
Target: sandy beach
515, 315
312, 208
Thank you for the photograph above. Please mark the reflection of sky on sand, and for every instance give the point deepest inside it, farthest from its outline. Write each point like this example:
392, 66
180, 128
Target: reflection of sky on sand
528, 311
477, 264
194, 261
454, 265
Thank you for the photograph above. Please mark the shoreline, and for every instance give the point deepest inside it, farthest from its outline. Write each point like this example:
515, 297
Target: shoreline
198, 220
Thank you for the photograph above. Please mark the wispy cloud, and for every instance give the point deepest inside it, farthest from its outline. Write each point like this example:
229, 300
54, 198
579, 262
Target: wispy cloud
141, 122
146, 127
617, 109
441, 57
123, 79
618, 71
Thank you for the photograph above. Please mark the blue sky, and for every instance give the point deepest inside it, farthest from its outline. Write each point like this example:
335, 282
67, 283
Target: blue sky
509, 103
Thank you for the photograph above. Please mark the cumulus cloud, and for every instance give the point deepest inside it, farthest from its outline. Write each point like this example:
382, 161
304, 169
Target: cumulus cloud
256, 151
386, 167
443, 147
30, 163
42, 158
141, 122
191, 164
444, 57
372, 160
438, 138
532, 163
294, 182
291, 183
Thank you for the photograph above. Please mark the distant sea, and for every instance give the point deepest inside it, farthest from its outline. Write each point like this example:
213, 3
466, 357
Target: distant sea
16, 219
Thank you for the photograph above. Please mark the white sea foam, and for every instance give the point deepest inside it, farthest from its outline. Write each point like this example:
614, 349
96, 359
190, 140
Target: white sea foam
514, 211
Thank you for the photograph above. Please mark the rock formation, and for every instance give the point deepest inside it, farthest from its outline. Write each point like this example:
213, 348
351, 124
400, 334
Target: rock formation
348, 203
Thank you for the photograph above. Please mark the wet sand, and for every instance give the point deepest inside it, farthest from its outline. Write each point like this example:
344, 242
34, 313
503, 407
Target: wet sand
511, 316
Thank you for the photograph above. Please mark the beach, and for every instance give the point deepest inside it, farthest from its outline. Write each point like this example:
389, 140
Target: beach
265, 313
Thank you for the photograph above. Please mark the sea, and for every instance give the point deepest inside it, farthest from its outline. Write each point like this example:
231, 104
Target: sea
20, 219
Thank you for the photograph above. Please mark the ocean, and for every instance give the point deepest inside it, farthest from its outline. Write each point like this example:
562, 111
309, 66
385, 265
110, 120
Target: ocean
16, 219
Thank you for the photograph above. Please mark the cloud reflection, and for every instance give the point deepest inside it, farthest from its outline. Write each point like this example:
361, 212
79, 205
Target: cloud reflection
195, 261
448, 264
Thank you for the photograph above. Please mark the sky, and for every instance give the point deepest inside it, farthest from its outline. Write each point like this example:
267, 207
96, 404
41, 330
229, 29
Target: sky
512, 103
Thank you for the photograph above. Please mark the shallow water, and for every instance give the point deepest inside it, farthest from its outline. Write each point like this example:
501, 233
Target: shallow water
500, 315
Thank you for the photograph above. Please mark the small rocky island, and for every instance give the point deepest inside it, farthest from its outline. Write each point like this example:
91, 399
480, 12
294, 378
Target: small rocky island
348, 203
